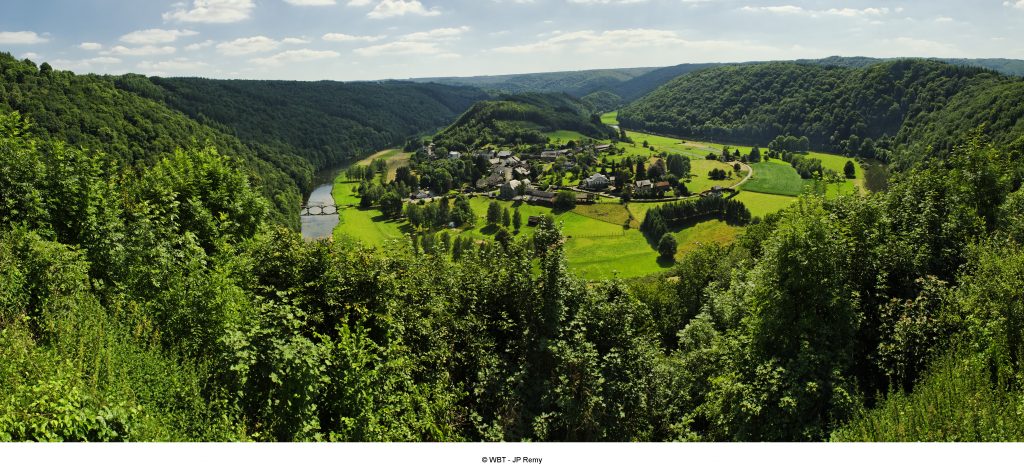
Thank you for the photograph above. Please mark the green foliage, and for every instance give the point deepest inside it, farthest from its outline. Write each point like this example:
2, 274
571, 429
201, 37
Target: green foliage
849, 110
565, 200
667, 247
519, 119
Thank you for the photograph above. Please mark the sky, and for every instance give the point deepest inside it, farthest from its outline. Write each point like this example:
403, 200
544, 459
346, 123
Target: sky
396, 39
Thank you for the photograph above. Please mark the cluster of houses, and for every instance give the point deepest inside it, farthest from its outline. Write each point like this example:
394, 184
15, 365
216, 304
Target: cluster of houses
504, 168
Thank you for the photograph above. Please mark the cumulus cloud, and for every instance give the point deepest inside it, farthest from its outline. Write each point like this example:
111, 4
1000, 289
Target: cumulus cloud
392, 8
608, 40
294, 41
295, 56
801, 11
199, 45
339, 37
418, 43
156, 36
21, 38
176, 66
212, 11
145, 50
87, 64
1019, 4
91, 46
247, 45
606, 2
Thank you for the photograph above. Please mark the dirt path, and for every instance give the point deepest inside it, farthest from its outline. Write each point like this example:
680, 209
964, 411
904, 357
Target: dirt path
750, 173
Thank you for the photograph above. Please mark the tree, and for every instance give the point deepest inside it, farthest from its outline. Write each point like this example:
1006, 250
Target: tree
493, 213
755, 155
849, 170
565, 200
517, 220
667, 246
506, 218
391, 204
678, 165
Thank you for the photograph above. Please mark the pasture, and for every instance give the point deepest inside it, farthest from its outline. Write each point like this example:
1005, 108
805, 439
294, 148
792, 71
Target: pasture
775, 177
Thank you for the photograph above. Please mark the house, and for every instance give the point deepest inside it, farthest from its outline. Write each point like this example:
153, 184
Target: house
510, 189
595, 182
585, 198
490, 182
540, 196
662, 186
604, 147
454, 155
643, 186
504, 154
522, 172
534, 221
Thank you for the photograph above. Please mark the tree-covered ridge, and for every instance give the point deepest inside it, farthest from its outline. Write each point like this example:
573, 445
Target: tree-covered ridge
521, 119
575, 83
326, 123
865, 111
94, 112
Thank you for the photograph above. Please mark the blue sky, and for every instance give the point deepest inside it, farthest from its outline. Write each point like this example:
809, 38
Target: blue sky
378, 39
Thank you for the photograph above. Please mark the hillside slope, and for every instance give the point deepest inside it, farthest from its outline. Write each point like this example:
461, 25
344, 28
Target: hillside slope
859, 111
95, 112
520, 119
326, 123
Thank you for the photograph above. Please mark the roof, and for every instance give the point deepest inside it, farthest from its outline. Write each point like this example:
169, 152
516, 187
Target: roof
504, 154
663, 183
540, 193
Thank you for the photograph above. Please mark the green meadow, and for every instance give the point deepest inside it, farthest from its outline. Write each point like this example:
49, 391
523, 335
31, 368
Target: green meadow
598, 245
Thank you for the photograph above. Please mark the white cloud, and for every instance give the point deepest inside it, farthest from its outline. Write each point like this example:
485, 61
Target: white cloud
247, 45
392, 8
91, 46
943, 19
212, 11
605, 2
156, 36
401, 47
606, 40
1019, 4
145, 50
798, 10
85, 64
295, 56
199, 45
21, 38
31, 56
360, 2
176, 66
418, 43
310, 2
339, 37
294, 41
440, 34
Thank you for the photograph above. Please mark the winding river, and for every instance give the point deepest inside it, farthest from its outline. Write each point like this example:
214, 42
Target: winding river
320, 227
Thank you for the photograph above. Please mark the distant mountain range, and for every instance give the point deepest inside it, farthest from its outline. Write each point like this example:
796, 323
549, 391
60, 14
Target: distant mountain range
632, 83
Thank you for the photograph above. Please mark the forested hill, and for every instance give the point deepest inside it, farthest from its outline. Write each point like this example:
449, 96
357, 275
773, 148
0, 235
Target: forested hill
521, 119
94, 112
575, 83
865, 111
326, 122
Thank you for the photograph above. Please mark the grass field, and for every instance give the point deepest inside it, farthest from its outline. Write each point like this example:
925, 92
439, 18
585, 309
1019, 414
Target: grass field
612, 119
775, 177
699, 169
394, 157
762, 204
597, 246
563, 136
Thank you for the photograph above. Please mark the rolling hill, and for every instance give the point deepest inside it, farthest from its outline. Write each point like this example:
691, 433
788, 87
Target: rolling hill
867, 110
520, 119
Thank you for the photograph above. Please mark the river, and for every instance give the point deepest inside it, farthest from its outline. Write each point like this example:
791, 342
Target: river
319, 227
